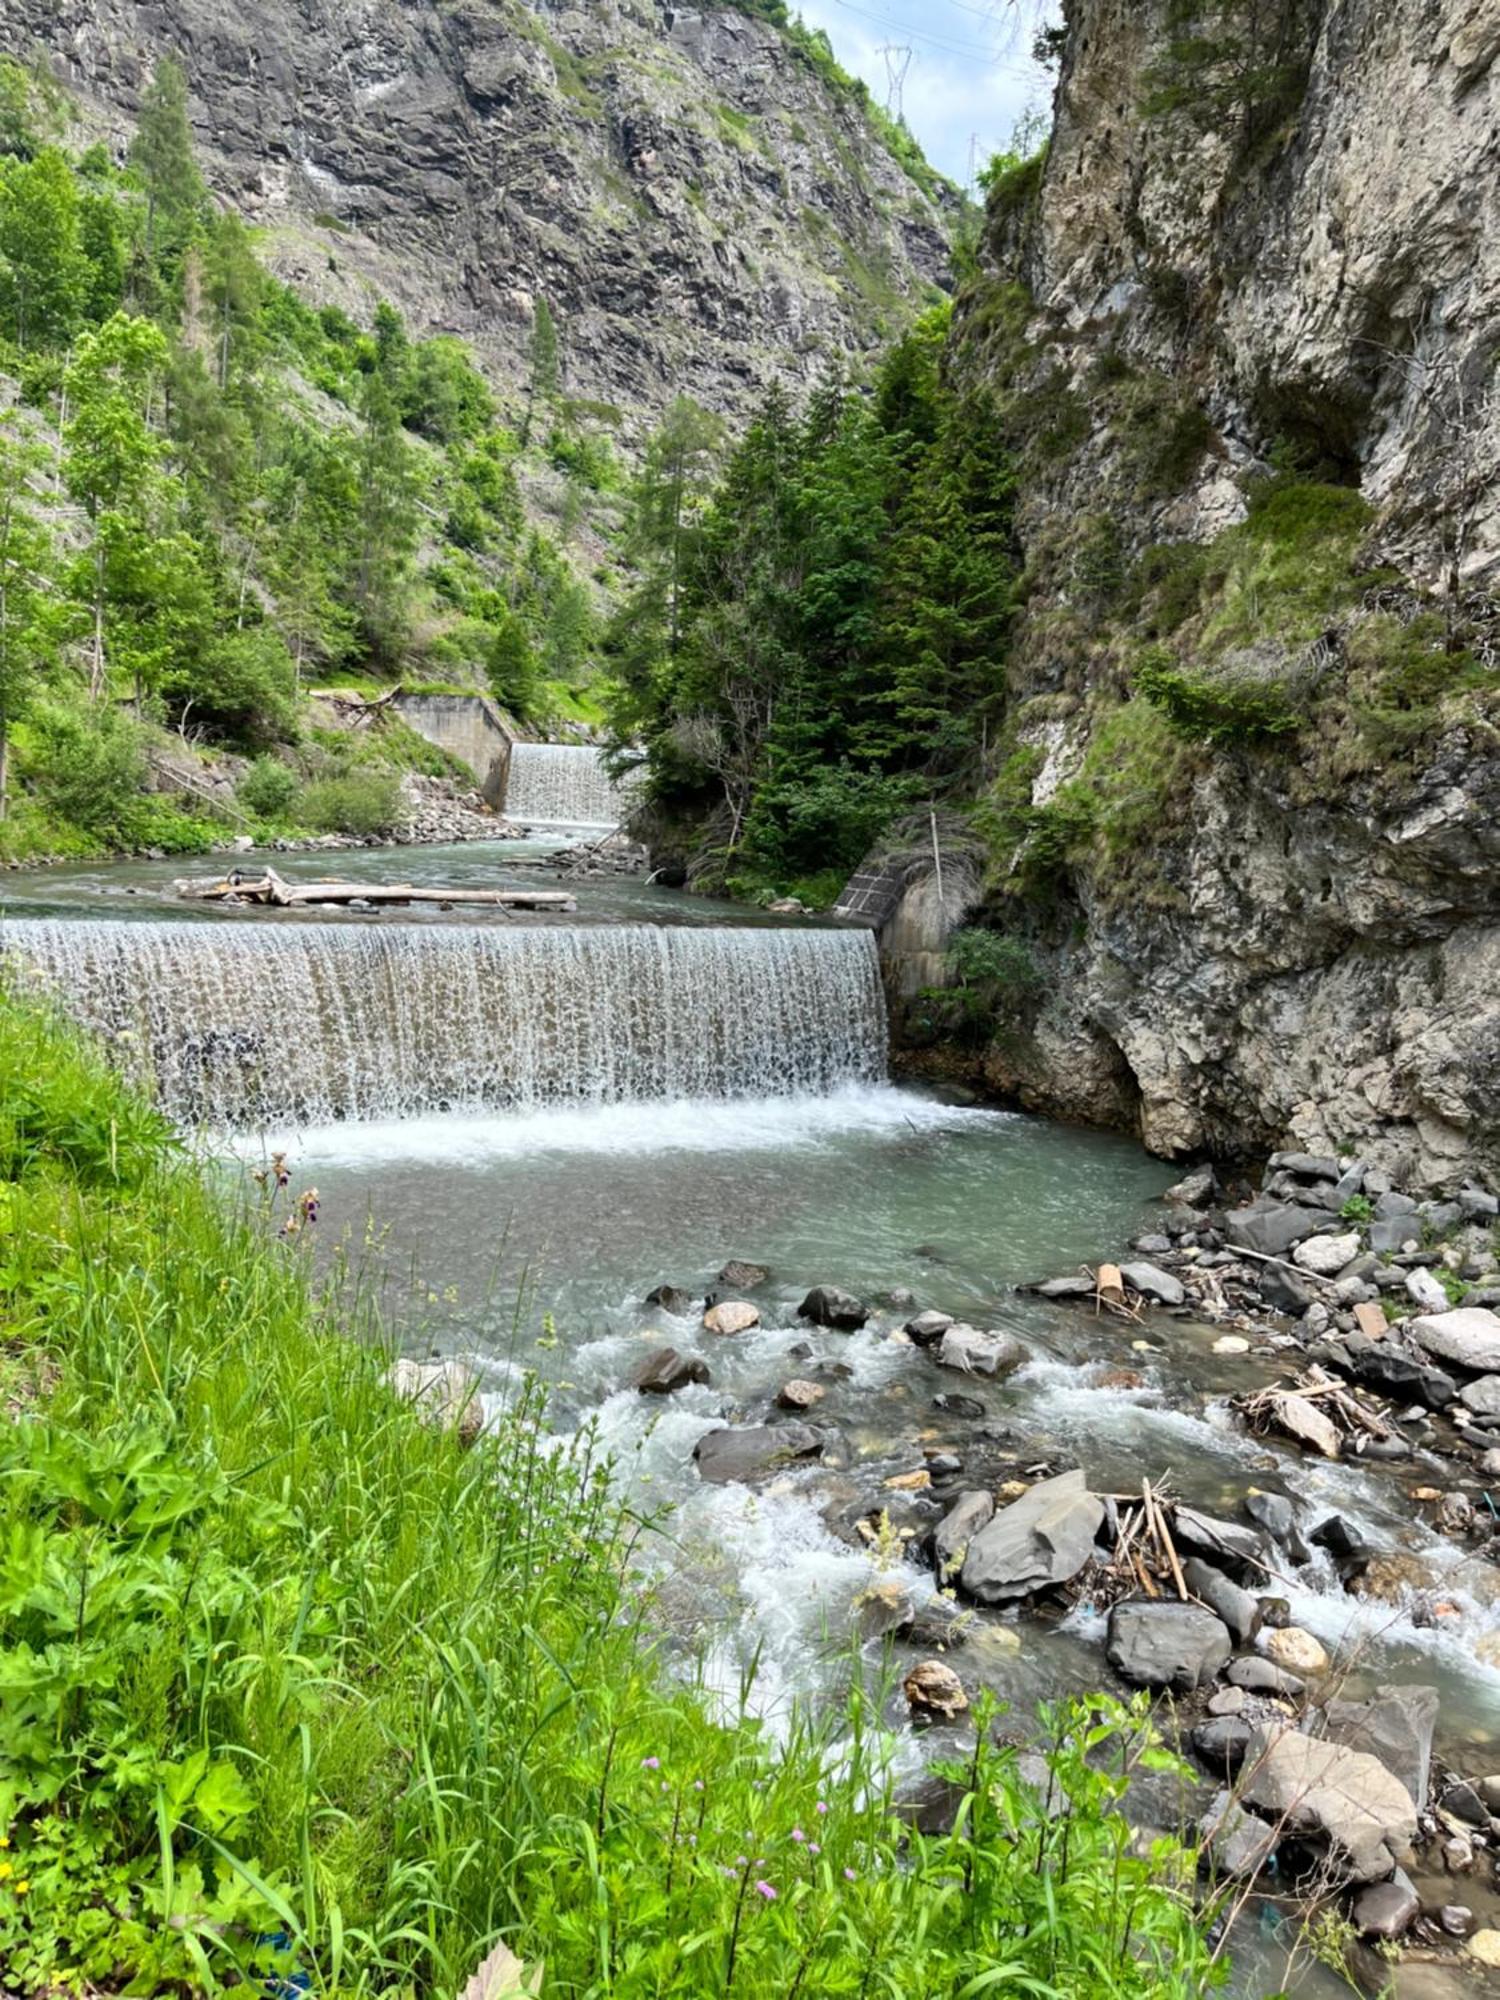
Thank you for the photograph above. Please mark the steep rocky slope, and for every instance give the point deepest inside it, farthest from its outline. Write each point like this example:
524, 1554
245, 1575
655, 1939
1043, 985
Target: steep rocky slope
1246, 815
700, 207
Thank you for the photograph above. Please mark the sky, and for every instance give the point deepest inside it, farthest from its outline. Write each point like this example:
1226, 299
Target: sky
970, 75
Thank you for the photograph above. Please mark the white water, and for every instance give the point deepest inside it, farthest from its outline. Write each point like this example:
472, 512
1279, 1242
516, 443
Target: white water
307, 1024
562, 784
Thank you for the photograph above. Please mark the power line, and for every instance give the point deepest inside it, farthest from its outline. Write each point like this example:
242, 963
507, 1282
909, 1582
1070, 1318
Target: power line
990, 57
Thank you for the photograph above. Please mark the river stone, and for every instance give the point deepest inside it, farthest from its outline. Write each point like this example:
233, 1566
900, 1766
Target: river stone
446, 1394
1423, 1289
1349, 1803
883, 1607
1194, 1190
1153, 1283
928, 1328
800, 1394
1283, 1291
1326, 1256
826, 1305
1235, 1841
951, 1537
1387, 1909
1468, 1336
1162, 1645
731, 1316
935, 1690
1298, 1651
1395, 1724
664, 1370
753, 1450
1344, 1542
1221, 1743
1273, 1512
671, 1298
959, 1406
1482, 1397
1225, 1543
1238, 1609
743, 1277
1038, 1542
974, 1353
1399, 1374
1066, 1288
1271, 1227
1259, 1676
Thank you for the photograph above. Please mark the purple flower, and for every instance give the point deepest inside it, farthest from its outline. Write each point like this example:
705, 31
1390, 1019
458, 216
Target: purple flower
765, 1889
850, 1876
813, 1847
798, 1834
822, 1806
697, 1784
651, 1763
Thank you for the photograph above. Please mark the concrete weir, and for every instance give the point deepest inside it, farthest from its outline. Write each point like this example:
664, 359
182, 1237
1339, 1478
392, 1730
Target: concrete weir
471, 728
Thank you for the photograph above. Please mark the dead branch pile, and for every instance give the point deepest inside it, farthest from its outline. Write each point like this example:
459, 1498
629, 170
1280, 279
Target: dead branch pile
1315, 1410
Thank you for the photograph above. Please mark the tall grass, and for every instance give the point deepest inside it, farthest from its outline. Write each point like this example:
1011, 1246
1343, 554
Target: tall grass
294, 1687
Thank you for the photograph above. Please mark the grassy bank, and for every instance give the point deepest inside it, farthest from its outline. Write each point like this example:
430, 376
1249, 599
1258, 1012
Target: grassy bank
292, 1684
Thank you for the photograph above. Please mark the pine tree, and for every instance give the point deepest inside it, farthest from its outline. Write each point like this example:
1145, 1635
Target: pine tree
162, 155
28, 622
545, 373
386, 484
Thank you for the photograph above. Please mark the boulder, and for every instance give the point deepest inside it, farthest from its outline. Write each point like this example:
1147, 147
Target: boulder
1387, 1909
1393, 1232
672, 1299
826, 1305
1423, 1289
934, 1690
1161, 1645
743, 1277
1274, 1513
1468, 1336
1194, 1190
1221, 1743
1257, 1676
799, 1394
1344, 1802
1396, 1373
951, 1537
971, 1352
1224, 1543
1295, 1650
928, 1328
1154, 1283
446, 1394
664, 1370
1305, 1166
731, 1316
884, 1607
752, 1451
1394, 1724
1236, 1842
1038, 1542
1344, 1542
1238, 1609
1271, 1227
1482, 1397
1326, 1256
1283, 1291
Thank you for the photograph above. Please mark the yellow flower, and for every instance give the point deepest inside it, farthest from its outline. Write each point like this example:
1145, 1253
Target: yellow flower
6, 1871
22, 1887
4, 1840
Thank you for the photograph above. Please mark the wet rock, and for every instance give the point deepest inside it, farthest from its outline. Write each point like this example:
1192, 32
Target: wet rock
928, 1328
1344, 1542
1423, 1289
1455, 1515
1273, 1512
1080, 1287
1463, 1800
1154, 1283
950, 1405
910, 1482
951, 1537
1283, 1291
1489, 1464
1162, 1645
1468, 1336
1394, 1724
752, 1451
1458, 1854
1275, 1612
1236, 1607
884, 1607
446, 1394
1271, 1227
1194, 1190
1489, 1791
936, 1626
1237, 1843
1221, 1744
1258, 1676
1326, 1256
971, 1352
731, 1316
672, 1299
827, 1305
1482, 1397
1457, 1919
1036, 1543
800, 1394
944, 1464
743, 1277
663, 1371
1346, 1803
1295, 1650
1386, 1909
1224, 1543
1394, 1372
1153, 1245
935, 1691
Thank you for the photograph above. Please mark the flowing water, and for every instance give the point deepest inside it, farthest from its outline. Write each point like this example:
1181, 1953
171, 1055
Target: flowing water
519, 1130
562, 784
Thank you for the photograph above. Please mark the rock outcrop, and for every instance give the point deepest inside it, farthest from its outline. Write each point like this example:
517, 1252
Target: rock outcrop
699, 207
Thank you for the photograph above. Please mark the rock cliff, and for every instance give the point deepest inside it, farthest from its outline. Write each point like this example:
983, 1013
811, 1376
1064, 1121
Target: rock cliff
1243, 325
702, 208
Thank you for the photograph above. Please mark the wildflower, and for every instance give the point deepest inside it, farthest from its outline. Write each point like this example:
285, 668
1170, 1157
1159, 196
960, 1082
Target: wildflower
4, 1840
813, 1847
798, 1834
6, 1871
822, 1806
742, 1861
850, 1876
23, 1887
765, 1889
697, 1784
651, 1763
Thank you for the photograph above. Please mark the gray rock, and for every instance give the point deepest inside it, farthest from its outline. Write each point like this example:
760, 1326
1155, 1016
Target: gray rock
1066, 1288
1440, 1216
1386, 1909
1389, 1206
1274, 1513
1395, 1725
1272, 1227
1384, 1366
1038, 1542
1283, 1291
445, 1392
1238, 1844
1393, 1233
827, 1305
1194, 1190
971, 1352
1423, 1289
1306, 1166
1164, 1645
664, 1370
1326, 1256
1258, 1676
1224, 1543
672, 1299
1152, 1246
800, 1394
1482, 1397
928, 1328
1468, 1336
951, 1537
959, 1406
1342, 1801
752, 1451
1236, 1607
1153, 1283
1478, 1204
1465, 1802
743, 1277
1221, 1744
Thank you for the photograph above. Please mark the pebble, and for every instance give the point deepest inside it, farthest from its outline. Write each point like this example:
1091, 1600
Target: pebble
1231, 1343
910, 1482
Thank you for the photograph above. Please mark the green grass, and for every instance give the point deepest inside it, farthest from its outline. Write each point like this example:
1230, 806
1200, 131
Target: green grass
291, 1681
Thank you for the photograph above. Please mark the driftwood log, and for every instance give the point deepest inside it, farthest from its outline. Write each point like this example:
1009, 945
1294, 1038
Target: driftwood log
270, 891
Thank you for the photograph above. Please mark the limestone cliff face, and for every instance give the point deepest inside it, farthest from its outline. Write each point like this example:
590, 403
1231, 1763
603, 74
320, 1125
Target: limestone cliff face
699, 208
1294, 940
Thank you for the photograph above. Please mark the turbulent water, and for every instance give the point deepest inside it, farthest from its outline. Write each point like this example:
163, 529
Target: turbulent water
314, 1022
562, 784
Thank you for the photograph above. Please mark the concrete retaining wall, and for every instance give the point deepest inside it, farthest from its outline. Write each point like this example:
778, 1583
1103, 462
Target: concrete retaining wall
468, 726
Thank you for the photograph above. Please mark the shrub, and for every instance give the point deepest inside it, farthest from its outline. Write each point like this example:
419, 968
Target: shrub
267, 789
362, 803
996, 960
1223, 710
88, 767
246, 683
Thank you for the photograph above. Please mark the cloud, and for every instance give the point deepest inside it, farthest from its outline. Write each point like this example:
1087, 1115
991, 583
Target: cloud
970, 77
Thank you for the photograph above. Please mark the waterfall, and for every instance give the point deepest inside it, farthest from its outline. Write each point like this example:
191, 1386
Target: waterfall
271, 1023
563, 784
